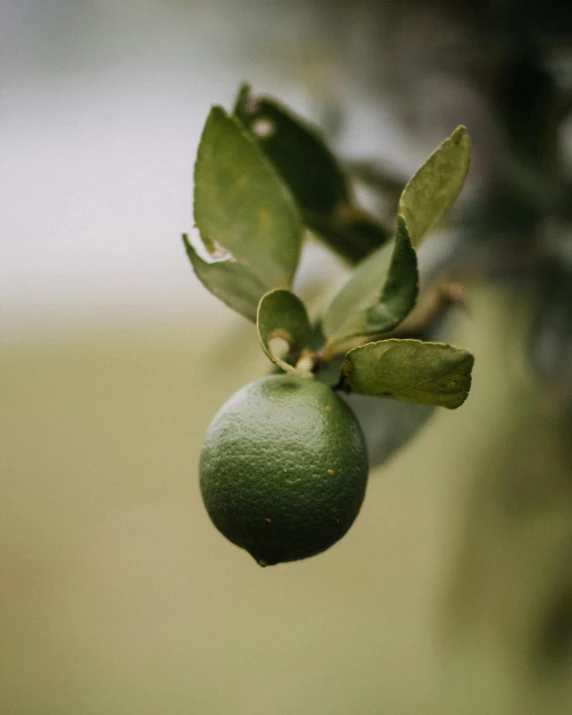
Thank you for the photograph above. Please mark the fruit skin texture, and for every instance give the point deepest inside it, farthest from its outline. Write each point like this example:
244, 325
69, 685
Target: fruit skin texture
283, 468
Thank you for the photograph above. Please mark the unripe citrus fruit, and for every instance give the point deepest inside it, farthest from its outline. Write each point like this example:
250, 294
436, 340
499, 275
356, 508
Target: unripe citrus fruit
283, 468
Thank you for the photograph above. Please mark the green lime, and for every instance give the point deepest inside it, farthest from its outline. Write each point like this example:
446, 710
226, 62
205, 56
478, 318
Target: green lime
283, 468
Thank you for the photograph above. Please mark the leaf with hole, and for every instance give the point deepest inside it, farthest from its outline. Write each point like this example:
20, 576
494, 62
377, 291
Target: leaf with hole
244, 213
281, 314
411, 371
317, 182
379, 295
228, 280
435, 185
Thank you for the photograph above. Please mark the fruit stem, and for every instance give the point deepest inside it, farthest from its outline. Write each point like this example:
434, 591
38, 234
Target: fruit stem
306, 363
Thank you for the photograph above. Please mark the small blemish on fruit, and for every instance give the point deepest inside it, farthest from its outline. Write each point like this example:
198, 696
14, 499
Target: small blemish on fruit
268, 520
331, 472
338, 521
328, 408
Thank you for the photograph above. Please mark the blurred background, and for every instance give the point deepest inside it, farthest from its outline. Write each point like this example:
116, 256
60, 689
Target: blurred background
453, 590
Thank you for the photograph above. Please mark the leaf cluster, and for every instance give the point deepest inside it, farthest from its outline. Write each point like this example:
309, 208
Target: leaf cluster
262, 178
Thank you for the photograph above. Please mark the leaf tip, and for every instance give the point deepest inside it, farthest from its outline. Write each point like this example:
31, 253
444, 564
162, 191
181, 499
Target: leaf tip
468, 359
189, 248
244, 89
218, 110
460, 138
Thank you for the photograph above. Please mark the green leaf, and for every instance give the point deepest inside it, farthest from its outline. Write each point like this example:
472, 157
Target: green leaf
411, 371
379, 295
434, 187
243, 210
228, 280
360, 290
298, 152
281, 314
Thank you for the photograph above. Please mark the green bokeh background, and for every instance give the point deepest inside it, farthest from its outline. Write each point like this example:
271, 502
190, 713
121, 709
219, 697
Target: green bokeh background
120, 596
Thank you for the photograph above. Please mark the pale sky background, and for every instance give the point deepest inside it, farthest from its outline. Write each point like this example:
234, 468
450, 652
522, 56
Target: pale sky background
101, 109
